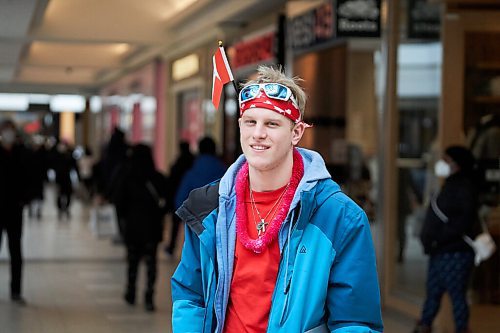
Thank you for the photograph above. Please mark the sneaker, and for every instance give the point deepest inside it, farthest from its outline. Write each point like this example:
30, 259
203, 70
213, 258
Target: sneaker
129, 298
18, 299
421, 328
149, 306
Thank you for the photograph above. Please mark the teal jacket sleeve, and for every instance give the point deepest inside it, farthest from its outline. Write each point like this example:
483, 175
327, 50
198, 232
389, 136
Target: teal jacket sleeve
188, 313
353, 298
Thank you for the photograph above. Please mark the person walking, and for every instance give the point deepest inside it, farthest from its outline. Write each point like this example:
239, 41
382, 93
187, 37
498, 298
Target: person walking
13, 197
64, 166
183, 163
451, 215
275, 246
141, 196
206, 168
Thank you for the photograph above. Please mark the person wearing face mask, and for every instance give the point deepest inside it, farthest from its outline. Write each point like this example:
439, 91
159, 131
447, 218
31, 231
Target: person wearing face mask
13, 177
451, 214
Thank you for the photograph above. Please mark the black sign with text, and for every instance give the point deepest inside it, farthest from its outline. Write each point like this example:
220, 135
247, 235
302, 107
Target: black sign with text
312, 28
423, 19
358, 18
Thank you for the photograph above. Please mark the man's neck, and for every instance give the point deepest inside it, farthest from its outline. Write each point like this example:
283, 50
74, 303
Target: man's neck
262, 181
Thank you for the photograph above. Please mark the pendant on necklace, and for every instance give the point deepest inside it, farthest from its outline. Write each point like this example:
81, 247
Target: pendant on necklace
261, 227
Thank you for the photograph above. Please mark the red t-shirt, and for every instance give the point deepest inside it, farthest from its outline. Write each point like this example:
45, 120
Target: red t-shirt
254, 274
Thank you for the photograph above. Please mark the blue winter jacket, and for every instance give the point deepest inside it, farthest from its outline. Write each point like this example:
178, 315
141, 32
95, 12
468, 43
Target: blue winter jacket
327, 274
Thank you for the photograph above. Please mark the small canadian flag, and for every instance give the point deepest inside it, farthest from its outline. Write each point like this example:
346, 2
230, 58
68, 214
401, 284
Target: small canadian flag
222, 75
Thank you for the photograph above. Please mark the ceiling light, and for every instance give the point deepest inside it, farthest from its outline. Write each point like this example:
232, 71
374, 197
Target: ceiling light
71, 103
121, 48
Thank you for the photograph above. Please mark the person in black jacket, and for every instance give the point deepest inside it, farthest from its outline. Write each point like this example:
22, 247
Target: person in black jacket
14, 195
451, 215
64, 165
179, 168
141, 196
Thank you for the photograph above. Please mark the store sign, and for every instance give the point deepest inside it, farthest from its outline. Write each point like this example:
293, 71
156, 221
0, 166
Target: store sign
312, 28
358, 18
253, 51
185, 67
423, 19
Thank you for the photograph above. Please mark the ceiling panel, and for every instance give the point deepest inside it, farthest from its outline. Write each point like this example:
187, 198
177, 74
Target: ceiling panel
6, 73
10, 53
75, 55
57, 75
15, 17
81, 45
119, 20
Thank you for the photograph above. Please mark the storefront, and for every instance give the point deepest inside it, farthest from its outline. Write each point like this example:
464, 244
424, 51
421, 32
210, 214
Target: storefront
338, 65
135, 104
438, 65
191, 114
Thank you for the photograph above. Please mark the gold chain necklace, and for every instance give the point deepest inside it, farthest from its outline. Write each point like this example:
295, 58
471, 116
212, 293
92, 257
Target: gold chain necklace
261, 226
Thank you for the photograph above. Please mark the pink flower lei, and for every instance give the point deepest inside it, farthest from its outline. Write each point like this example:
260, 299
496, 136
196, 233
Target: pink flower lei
242, 184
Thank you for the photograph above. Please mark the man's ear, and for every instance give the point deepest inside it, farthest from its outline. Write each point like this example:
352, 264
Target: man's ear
297, 132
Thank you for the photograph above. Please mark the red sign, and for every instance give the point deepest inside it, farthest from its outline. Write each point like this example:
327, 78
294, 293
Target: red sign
253, 51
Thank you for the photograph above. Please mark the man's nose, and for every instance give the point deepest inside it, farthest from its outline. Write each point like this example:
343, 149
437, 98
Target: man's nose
259, 131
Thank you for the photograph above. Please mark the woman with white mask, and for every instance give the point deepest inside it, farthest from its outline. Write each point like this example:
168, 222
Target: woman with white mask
451, 214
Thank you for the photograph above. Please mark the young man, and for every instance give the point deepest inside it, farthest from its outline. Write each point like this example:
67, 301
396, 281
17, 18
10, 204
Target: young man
275, 245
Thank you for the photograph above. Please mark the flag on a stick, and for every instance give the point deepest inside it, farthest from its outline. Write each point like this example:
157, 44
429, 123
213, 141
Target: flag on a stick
222, 75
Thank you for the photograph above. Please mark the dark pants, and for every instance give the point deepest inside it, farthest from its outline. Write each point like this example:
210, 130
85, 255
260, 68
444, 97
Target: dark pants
448, 272
63, 200
13, 224
135, 252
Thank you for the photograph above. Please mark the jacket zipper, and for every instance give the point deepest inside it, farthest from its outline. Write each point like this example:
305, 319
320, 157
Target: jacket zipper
285, 247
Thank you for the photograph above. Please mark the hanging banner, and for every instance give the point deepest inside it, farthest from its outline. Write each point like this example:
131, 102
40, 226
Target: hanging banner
423, 19
358, 18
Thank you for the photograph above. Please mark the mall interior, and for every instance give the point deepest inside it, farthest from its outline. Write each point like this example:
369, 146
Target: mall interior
390, 85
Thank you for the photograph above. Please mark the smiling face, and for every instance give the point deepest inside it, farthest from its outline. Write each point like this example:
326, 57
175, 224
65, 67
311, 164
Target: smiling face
267, 139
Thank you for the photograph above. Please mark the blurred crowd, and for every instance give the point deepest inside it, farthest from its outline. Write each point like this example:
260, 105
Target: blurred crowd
122, 177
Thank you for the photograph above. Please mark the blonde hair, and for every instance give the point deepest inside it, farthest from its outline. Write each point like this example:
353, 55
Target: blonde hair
266, 74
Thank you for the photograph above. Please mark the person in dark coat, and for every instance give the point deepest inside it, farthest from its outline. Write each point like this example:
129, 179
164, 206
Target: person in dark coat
177, 171
109, 170
206, 168
13, 196
64, 165
451, 215
141, 197
37, 176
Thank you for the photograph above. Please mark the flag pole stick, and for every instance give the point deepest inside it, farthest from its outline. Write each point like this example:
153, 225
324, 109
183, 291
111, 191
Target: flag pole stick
234, 83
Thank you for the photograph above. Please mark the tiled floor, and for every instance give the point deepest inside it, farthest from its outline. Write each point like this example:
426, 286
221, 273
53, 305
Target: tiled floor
73, 282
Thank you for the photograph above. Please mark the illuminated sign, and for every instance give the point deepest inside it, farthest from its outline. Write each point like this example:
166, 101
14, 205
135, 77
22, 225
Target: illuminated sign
185, 67
253, 51
313, 28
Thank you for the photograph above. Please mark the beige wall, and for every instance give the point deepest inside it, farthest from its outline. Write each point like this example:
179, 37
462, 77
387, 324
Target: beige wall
361, 108
324, 75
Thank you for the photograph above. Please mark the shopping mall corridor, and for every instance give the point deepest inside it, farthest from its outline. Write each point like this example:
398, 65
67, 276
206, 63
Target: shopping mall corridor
74, 281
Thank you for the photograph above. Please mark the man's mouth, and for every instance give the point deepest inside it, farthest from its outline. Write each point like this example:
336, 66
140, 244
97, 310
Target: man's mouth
259, 147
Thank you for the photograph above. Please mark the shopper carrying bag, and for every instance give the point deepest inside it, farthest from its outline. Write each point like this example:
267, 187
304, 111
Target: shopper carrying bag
451, 215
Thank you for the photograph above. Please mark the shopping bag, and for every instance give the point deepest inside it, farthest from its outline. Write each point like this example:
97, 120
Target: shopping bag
103, 221
484, 246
